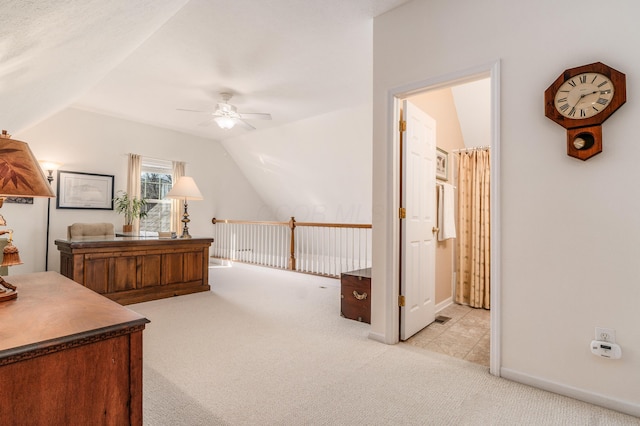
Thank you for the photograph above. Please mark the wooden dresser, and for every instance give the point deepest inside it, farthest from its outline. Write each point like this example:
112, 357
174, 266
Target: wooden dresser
68, 356
131, 270
355, 295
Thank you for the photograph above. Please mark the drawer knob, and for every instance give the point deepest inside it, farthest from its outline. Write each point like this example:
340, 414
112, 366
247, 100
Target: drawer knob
362, 296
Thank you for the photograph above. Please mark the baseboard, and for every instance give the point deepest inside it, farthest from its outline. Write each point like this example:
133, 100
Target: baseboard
440, 306
377, 337
219, 263
625, 407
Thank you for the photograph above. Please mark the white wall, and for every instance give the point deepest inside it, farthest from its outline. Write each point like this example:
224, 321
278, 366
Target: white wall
94, 143
317, 170
473, 105
570, 229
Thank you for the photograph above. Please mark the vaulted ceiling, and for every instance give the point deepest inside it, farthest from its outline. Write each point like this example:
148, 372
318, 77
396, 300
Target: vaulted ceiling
142, 60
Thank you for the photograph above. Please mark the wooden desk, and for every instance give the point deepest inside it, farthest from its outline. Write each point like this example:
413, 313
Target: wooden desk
68, 356
132, 270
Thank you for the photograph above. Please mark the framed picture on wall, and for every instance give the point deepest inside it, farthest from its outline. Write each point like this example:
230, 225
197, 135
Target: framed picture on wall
77, 190
442, 164
19, 200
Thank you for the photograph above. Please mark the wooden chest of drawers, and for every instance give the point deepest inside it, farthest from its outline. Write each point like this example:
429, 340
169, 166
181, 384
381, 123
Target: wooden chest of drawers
133, 270
355, 295
68, 356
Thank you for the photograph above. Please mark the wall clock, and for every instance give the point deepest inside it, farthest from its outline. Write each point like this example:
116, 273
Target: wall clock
580, 100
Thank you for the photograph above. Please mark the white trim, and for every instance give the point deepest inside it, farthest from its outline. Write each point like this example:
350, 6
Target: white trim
392, 290
392, 323
495, 353
591, 397
377, 337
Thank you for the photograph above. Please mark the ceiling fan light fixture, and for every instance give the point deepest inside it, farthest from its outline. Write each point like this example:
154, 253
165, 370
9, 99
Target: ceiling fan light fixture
225, 122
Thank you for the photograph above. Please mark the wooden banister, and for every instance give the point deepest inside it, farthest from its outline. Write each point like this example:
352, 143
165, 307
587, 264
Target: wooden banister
334, 225
248, 222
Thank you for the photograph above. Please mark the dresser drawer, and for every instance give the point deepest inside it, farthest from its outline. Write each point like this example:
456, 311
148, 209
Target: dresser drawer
355, 295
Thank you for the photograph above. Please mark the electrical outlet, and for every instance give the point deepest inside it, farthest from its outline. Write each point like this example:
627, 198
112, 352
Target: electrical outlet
606, 334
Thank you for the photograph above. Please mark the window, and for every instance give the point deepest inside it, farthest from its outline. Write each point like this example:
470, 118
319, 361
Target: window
155, 183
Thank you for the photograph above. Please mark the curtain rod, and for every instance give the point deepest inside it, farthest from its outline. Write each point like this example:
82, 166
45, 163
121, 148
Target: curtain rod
153, 158
477, 148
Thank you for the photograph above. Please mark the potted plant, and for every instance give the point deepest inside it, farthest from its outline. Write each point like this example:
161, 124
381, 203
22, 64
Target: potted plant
131, 208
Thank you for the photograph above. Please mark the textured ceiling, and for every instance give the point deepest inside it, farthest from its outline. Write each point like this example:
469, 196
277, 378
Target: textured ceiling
143, 59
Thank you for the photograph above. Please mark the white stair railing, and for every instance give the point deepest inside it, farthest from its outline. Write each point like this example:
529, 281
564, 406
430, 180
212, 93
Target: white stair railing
317, 248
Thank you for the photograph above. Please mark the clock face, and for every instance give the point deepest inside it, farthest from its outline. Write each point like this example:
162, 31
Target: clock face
584, 95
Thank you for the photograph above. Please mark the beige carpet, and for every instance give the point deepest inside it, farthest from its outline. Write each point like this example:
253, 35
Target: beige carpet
268, 347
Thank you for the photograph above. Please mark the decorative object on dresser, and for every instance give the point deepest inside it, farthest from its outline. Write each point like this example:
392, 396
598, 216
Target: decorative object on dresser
185, 189
355, 295
69, 356
132, 269
580, 100
131, 207
20, 176
78, 190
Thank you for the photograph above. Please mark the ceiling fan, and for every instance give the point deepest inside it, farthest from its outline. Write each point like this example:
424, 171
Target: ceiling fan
226, 116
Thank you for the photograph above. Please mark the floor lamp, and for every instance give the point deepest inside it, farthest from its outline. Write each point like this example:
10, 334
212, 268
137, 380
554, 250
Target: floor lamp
49, 166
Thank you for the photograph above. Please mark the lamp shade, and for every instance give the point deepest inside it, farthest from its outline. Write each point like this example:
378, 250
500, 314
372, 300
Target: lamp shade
185, 189
50, 165
20, 174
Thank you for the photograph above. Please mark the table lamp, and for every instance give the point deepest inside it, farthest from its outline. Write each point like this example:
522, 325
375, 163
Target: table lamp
20, 176
185, 189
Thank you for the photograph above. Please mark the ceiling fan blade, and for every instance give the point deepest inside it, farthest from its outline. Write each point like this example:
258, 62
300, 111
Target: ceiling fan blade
207, 122
254, 115
244, 124
194, 110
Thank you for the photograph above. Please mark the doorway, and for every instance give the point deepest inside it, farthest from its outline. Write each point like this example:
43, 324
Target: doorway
489, 74
462, 281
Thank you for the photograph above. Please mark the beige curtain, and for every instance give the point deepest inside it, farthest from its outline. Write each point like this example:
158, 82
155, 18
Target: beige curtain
133, 183
473, 286
176, 205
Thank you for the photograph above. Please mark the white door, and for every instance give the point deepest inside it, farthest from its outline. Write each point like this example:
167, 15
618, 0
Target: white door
417, 282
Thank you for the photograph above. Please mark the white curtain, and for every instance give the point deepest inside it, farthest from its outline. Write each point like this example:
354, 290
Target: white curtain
176, 205
133, 183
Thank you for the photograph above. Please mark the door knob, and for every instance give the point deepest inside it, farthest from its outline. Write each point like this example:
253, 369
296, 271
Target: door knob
435, 229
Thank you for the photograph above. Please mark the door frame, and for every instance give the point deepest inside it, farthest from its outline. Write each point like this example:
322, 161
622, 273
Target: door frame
394, 99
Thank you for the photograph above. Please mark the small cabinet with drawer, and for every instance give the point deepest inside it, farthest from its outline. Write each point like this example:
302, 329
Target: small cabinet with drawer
355, 295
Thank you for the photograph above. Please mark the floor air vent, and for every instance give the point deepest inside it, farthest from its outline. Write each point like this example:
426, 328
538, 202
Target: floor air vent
441, 319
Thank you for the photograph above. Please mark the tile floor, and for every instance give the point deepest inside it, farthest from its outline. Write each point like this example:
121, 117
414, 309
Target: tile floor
465, 335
